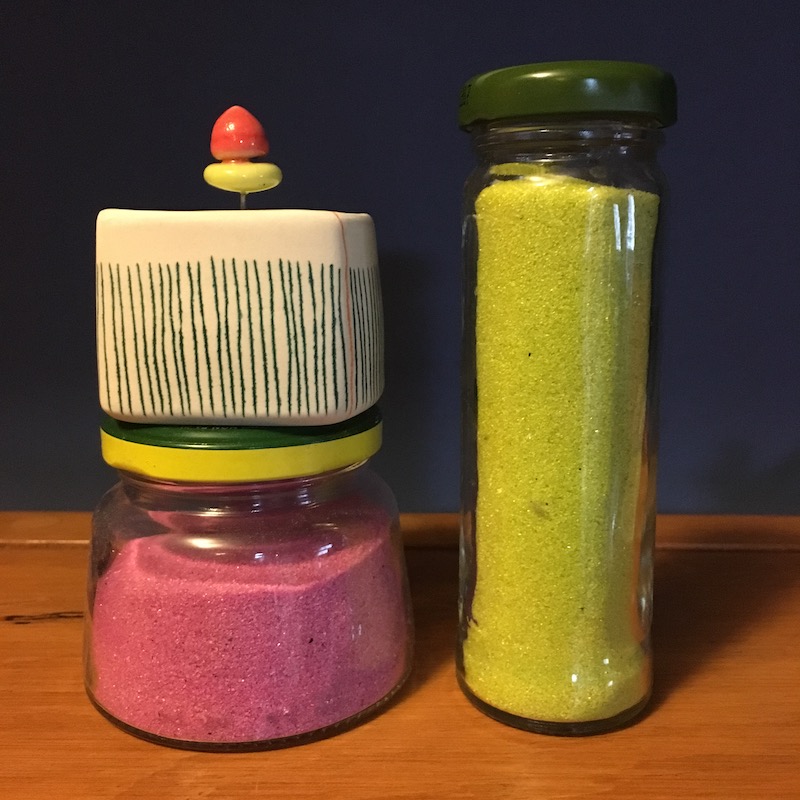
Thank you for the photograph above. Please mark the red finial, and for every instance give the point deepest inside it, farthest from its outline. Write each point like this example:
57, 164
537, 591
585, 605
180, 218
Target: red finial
237, 134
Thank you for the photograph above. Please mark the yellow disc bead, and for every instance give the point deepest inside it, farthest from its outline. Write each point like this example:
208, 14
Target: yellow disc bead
243, 177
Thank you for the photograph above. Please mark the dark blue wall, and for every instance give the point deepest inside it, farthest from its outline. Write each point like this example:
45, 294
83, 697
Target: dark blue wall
112, 104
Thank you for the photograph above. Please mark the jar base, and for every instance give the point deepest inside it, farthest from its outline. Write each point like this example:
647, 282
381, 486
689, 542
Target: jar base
257, 745
585, 728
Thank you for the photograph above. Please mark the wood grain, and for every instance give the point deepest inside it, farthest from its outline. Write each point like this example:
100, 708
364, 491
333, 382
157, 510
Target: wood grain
724, 721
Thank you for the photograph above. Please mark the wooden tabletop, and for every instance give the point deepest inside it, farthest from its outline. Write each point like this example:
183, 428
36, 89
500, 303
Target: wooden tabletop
724, 721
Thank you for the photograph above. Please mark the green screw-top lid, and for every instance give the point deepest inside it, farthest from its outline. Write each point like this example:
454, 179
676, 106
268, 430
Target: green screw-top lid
237, 437
238, 454
569, 87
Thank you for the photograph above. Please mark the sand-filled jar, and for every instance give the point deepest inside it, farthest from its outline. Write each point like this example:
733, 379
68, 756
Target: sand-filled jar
559, 392
247, 586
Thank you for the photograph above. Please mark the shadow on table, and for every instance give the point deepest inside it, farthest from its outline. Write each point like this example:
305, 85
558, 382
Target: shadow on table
707, 599
433, 575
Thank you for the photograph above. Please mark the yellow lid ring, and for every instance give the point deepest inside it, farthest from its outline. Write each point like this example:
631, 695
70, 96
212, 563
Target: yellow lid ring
239, 465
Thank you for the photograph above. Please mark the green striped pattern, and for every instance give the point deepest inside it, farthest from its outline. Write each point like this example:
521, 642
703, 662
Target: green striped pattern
238, 340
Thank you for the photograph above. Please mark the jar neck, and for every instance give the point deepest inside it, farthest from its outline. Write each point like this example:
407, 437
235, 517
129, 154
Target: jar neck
306, 490
554, 136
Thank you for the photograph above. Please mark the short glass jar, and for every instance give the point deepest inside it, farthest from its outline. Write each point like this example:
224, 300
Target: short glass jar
559, 392
260, 611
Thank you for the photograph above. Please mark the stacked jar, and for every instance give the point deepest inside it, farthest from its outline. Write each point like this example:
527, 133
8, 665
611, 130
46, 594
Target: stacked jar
247, 584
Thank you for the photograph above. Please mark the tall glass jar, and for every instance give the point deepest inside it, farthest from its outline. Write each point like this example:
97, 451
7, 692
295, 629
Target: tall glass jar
258, 600
559, 392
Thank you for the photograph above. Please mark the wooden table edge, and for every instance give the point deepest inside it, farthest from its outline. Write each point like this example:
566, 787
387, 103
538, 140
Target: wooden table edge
440, 530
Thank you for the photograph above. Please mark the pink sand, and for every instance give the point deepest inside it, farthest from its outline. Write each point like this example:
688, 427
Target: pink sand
198, 645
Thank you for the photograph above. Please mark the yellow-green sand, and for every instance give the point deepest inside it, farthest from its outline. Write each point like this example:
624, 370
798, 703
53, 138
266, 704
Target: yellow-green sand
562, 318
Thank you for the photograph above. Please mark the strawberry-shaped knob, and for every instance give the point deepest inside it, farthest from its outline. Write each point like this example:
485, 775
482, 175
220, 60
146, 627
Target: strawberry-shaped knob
237, 136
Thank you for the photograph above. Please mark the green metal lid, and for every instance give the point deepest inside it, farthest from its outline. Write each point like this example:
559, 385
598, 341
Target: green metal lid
569, 87
218, 437
216, 454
